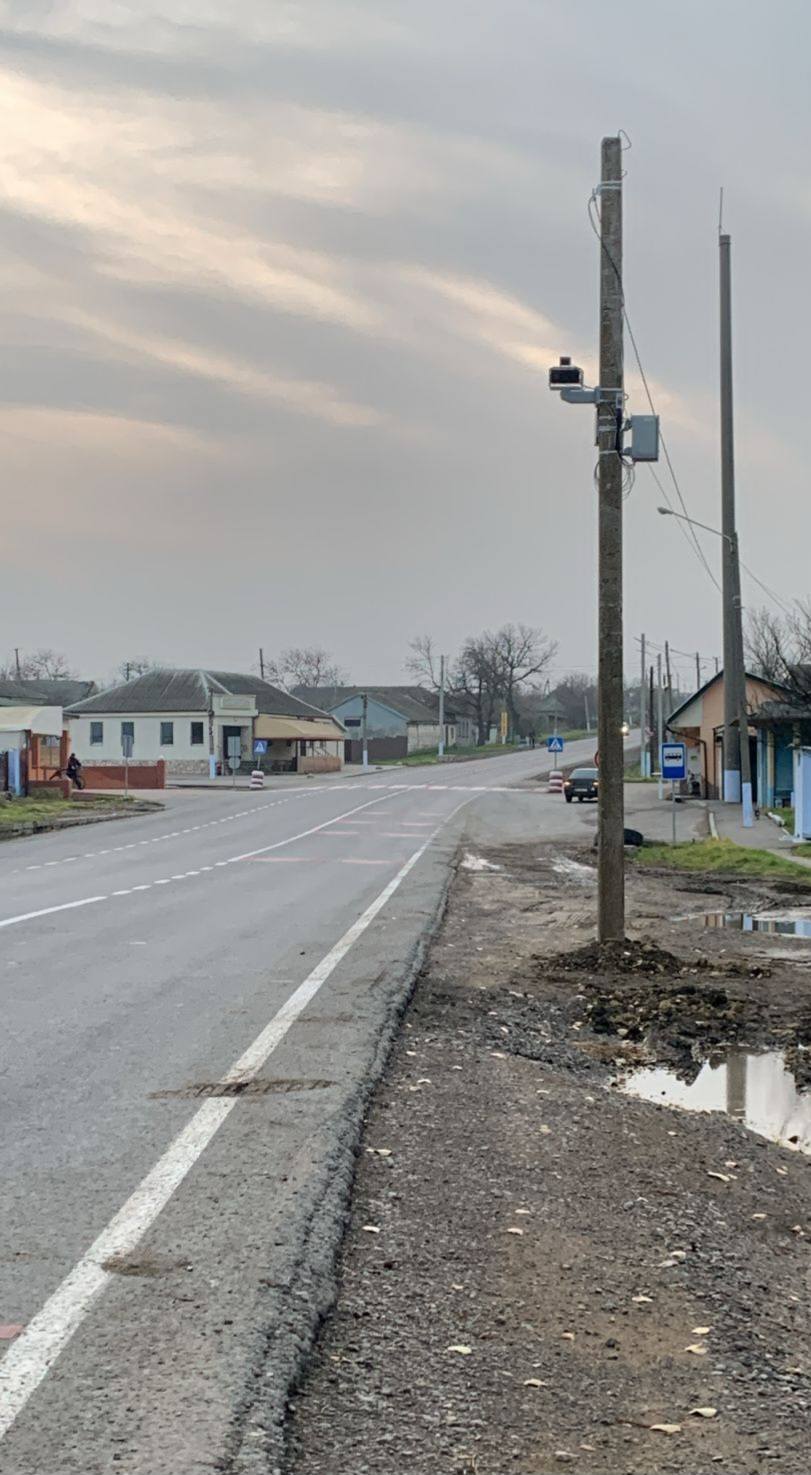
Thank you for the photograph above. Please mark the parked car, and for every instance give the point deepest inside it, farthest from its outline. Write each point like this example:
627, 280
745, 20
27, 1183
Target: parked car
581, 784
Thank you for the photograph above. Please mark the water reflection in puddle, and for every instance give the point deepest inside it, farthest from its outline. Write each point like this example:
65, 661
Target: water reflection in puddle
788, 924
757, 1090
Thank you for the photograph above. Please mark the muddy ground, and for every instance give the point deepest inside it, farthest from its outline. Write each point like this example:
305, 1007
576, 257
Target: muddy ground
538, 1269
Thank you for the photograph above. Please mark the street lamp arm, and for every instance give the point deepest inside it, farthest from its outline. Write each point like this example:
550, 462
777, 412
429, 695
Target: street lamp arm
730, 538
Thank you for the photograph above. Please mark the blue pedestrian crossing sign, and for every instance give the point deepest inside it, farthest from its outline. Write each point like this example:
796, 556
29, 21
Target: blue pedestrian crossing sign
555, 744
260, 746
674, 760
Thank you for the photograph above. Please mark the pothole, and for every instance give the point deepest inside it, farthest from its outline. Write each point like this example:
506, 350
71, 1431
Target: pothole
757, 1090
241, 1088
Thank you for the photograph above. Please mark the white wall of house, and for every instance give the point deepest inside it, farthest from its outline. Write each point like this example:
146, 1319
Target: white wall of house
97, 738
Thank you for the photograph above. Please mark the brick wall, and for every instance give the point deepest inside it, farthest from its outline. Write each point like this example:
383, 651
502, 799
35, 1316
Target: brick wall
111, 775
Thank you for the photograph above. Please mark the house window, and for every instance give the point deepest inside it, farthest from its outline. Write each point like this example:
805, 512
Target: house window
167, 734
128, 731
197, 734
96, 734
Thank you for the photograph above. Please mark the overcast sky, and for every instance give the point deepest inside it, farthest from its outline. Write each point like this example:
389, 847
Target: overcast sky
282, 282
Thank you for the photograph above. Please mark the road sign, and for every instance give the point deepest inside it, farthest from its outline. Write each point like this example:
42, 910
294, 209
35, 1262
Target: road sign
126, 744
260, 746
674, 760
597, 759
235, 746
555, 744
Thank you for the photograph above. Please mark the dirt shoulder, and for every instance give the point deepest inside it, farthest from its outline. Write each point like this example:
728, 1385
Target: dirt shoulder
539, 1269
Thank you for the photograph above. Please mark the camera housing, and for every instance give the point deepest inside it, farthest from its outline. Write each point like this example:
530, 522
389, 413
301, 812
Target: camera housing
565, 375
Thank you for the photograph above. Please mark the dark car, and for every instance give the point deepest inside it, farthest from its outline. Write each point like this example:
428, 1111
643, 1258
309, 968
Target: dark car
581, 784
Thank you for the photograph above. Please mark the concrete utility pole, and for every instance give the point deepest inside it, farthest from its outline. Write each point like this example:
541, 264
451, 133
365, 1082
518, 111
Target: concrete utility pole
366, 729
652, 724
17, 660
588, 714
643, 718
669, 683
660, 722
698, 671
610, 412
748, 813
732, 747
261, 663
441, 746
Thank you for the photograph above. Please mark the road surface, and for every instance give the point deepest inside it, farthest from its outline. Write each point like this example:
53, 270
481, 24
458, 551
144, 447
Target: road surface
195, 1003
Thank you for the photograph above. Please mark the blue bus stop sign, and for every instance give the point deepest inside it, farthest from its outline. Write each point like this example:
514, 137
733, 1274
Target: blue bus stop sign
260, 746
674, 760
555, 744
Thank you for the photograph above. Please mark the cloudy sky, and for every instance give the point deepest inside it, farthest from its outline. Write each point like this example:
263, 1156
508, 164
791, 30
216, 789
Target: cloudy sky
281, 283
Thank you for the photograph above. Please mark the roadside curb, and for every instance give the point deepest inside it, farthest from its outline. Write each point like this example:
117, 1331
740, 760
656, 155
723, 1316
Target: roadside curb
294, 1317
713, 825
70, 822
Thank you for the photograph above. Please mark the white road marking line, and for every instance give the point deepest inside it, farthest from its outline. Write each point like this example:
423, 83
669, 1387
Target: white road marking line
29, 1358
66, 906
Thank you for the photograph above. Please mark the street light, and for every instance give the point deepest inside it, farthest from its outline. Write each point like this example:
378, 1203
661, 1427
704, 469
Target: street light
669, 512
739, 675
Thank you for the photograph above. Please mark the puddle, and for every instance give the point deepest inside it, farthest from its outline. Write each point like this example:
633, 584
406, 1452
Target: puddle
757, 1090
788, 924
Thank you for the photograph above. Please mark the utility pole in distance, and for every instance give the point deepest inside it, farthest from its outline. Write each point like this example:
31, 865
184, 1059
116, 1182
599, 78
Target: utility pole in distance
732, 746
660, 722
698, 671
441, 744
366, 730
643, 718
610, 411
261, 664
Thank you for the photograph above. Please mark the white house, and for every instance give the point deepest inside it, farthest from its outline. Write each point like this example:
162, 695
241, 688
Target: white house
187, 717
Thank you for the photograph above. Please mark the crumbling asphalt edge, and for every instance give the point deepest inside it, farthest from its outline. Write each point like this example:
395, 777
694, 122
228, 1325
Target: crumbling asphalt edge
255, 1444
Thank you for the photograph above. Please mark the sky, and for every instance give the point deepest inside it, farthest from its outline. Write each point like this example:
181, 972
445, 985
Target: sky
282, 282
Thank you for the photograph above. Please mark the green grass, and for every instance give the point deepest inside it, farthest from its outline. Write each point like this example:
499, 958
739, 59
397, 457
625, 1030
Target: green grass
786, 815
633, 775
722, 856
804, 851
41, 810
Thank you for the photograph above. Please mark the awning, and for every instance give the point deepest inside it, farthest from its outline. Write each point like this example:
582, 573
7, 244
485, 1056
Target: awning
288, 729
42, 720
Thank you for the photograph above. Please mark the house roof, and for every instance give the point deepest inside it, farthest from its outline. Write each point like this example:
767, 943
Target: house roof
415, 703
47, 691
190, 690
718, 676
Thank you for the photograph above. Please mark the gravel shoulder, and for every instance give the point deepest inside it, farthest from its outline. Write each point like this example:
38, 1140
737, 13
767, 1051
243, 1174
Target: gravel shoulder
539, 1270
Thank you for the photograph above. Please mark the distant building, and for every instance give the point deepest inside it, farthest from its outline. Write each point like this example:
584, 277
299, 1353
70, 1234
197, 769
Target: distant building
699, 722
187, 718
400, 719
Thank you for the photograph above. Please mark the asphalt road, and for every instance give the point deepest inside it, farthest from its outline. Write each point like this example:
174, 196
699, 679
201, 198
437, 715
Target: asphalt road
196, 1003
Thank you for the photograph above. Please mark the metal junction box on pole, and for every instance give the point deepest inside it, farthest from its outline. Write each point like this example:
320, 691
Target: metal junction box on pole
644, 444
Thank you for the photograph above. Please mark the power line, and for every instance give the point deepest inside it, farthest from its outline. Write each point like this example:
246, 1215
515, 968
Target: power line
692, 538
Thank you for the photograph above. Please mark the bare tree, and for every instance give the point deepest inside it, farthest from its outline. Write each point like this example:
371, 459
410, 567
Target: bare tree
477, 675
136, 667
423, 663
307, 665
42, 664
778, 648
521, 652
576, 695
